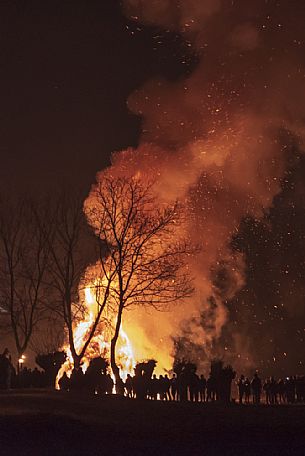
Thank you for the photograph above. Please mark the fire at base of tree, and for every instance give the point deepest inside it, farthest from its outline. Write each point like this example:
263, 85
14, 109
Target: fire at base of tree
56, 269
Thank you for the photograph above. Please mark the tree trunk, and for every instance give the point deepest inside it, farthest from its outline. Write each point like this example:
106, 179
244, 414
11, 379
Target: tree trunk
114, 366
76, 361
19, 364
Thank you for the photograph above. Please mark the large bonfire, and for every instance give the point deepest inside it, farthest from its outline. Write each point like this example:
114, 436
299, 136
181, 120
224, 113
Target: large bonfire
100, 343
142, 264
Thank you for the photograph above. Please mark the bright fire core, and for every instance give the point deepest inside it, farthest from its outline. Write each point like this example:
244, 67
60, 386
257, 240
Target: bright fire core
100, 343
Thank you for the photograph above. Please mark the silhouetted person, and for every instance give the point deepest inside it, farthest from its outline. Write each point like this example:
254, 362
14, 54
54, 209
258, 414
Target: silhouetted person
129, 386
64, 383
256, 386
247, 387
174, 388
300, 388
281, 391
102, 384
6, 370
193, 387
154, 387
93, 374
167, 385
241, 388
182, 386
50, 363
119, 386
77, 379
226, 375
267, 389
211, 389
109, 385
143, 384
36, 378
202, 388
162, 385
297, 388
290, 390
273, 391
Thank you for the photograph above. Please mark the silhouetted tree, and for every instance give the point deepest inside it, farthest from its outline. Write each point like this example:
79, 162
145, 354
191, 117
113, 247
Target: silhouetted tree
24, 257
49, 336
72, 247
140, 247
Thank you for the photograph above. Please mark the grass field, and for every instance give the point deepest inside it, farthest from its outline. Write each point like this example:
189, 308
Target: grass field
54, 423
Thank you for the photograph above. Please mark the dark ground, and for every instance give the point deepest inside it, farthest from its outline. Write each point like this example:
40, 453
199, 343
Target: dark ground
53, 423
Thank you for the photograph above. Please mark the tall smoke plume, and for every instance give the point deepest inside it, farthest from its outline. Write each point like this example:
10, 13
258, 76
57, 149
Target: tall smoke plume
214, 140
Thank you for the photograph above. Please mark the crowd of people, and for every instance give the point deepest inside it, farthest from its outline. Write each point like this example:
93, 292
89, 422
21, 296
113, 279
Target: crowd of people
183, 385
78, 381
198, 389
271, 391
182, 388
20, 377
188, 386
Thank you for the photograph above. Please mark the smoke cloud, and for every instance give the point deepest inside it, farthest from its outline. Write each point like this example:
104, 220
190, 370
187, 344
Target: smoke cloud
213, 140
188, 15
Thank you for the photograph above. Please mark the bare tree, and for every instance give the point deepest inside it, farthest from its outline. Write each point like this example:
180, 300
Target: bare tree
140, 248
49, 337
72, 249
24, 257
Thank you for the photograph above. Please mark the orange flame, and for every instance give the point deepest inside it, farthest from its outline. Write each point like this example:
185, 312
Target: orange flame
100, 343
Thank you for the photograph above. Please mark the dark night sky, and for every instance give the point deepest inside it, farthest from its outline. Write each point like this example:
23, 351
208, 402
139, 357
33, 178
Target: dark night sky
67, 69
